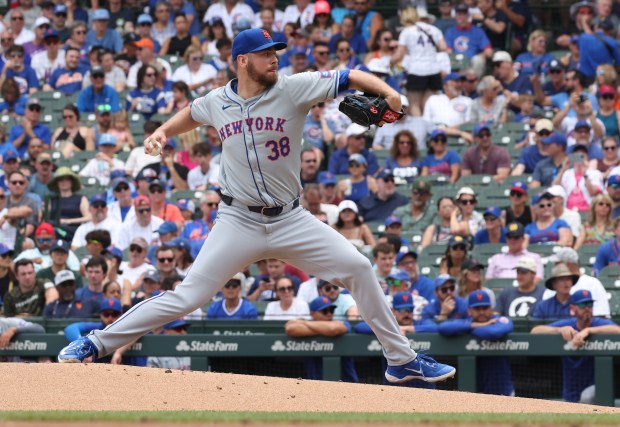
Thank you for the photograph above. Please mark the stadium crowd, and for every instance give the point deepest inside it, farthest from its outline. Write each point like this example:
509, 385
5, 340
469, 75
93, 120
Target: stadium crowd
497, 197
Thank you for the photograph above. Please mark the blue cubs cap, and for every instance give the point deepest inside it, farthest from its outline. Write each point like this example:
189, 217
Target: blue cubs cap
116, 182
443, 279
111, 304
391, 220
326, 178
399, 275
456, 240
452, 77
320, 303
582, 295
117, 173
479, 127
186, 205
145, 18
582, 124
358, 158
544, 195
555, 138
10, 155
101, 15
176, 324
98, 198
493, 211
168, 227
4, 249
437, 132
115, 252
614, 179
60, 9
519, 186
51, 33
402, 300
298, 50
253, 40
401, 255
385, 173
107, 139
574, 39
479, 299
181, 243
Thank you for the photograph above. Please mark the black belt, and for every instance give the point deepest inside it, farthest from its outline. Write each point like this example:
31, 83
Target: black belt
263, 210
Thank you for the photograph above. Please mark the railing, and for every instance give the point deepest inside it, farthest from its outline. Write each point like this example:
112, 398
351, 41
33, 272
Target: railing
604, 348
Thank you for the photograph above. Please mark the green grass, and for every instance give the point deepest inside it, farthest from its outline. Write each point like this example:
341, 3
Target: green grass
308, 417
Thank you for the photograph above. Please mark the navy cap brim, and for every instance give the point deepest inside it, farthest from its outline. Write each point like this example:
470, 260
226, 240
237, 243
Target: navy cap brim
480, 304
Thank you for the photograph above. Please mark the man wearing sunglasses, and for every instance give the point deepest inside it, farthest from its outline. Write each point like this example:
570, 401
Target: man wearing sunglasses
323, 323
486, 158
98, 208
493, 374
578, 372
345, 307
137, 264
378, 206
67, 305
533, 153
419, 213
22, 210
122, 208
144, 224
520, 301
40, 26
98, 97
59, 254
613, 190
30, 127
446, 304
502, 265
547, 170
356, 144
233, 306
197, 230
44, 238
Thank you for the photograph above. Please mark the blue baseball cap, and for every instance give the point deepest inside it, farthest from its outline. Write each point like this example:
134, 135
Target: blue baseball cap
437, 132
60, 9
181, 243
582, 124
101, 15
519, 186
391, 220
443, 279
401, 255
298, 50
10, 155
98, 198
544, 195
614, 179
115, 252
117, 173
493, 211
402, 300
452, 77
358, 158
51, 33
145, 18
117, 181
107, 139
320, 303
399, 275
582, 295
555, 138
168, 227
4, 249
479, 299
111, 304
253, 40
186, 205
481, 126
326, 178
177, 323
385, 173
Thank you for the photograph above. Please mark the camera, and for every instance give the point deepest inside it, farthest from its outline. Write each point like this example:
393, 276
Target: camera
582, 98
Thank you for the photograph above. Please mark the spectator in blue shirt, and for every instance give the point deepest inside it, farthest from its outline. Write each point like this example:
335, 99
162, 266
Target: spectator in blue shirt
30, 127
348, 32
98, 94
578, 372
536, 60
609, 252
493, 374
468, 40
15, 67
445, 305
597, 48
547, 169
101, 35
356, 143
13, 102
380, 205
69, 78
514, 83
232, 306
146, 98
556, 307
493, 232
420, 284
68, 305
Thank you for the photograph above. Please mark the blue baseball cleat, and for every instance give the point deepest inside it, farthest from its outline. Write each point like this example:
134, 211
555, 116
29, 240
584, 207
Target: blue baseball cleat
77, 351
423, 368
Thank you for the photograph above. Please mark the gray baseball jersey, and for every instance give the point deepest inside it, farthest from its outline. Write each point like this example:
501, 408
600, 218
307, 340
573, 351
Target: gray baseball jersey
261, 136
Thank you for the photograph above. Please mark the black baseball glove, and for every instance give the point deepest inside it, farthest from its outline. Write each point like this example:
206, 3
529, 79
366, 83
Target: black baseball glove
368, 110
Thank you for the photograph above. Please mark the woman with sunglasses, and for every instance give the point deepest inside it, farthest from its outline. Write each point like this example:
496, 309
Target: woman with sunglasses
547, 229
610, 156
439, 231
288, 307
72, 138
536, 60
352, 228
358, 185
465, 221
518, 211
383, 46
198, 75
439, 160
134, 269
323, 21
472, 280
580, 183
454, 257
65, 208
7, 276
607, 112
598, 228
346, 58
404, 158
146, 98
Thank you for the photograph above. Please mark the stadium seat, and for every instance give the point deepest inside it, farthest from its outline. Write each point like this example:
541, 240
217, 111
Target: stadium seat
485, 251
475, 181
543, 250
611, 272
614, 301
587, 254
494, 284
185, 194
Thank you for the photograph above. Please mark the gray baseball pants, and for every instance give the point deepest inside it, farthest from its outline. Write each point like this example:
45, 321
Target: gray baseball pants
241, 237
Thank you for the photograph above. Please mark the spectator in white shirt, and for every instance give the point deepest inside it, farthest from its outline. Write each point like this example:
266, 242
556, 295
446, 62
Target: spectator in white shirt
205, 174
302, 11
144, 224
198, 75
450, 109
98, 208
104, 162
122, 208
230, 12
134, 269
288, 307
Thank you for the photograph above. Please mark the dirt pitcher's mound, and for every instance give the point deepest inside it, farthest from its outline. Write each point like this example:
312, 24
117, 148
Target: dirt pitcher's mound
114, 388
